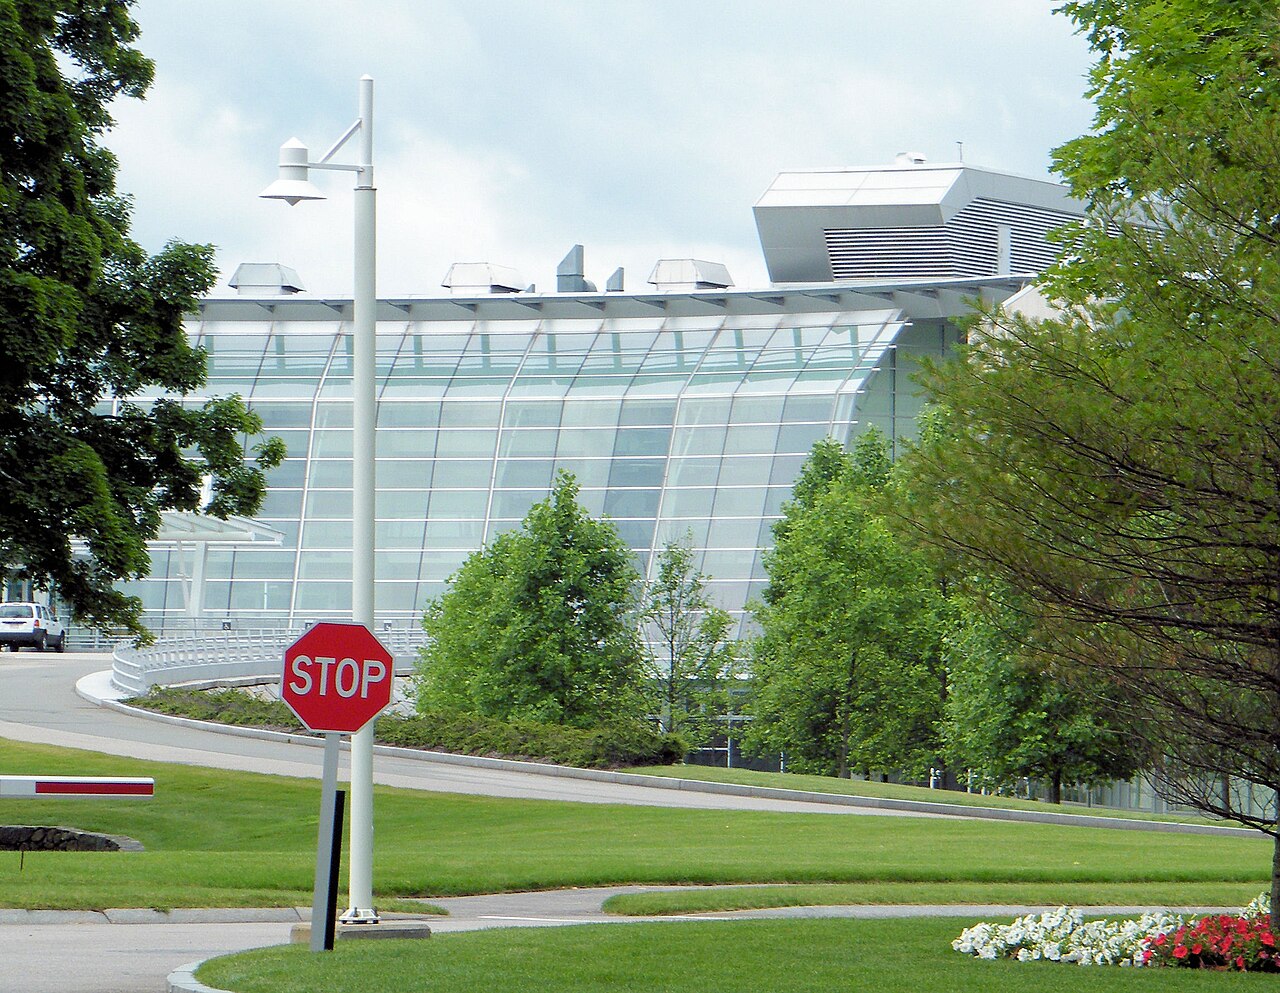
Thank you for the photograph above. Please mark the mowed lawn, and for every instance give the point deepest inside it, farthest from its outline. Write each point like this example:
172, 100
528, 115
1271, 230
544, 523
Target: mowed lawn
805, 956
231, 839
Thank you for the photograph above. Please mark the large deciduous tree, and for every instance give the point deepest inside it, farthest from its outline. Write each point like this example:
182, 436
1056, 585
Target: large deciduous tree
540, 624
1119, 465
87, 315
846, 670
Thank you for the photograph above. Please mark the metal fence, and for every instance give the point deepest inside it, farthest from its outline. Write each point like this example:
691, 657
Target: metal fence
209, 656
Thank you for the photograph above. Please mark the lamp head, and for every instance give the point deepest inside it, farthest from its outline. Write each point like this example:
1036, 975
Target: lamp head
292, 184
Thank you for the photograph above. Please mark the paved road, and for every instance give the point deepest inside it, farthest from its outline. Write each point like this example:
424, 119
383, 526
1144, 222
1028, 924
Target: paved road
38, 703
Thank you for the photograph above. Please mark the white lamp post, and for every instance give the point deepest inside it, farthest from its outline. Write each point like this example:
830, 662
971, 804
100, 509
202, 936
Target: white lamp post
293, 186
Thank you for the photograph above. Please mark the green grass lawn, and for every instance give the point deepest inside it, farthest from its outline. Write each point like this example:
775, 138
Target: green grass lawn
218, 838
810, 956
895, 791
702, 901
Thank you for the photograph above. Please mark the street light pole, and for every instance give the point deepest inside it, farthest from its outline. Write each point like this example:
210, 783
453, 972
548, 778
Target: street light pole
360, 909
294, 186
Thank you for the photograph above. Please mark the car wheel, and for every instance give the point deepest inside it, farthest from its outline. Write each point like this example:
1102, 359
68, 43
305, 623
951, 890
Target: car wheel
43, 643
62, 642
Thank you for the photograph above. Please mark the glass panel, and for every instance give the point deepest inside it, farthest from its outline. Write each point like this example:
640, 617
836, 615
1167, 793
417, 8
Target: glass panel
406, 442
461, 504
327, 598
793, 438
331, 444
689, 503
529, 414
408, 415
637, 472
324, 565
785, 469
538, 441
746, 470
739, 502
588, 472
263, 565
465, 443
698, 441
397, 565
693, 472
290, 472
397, 596
752, 439
399, 534
331, 473
648, 412
589, 414
281, 503
470, 415
757, 410
452, 473
410, 505
636, 534
329, 504
642, 441
734, 533
405, 473
632, 503
454, 534
575, 444
526, 473
515, 503
327, 534
282, 415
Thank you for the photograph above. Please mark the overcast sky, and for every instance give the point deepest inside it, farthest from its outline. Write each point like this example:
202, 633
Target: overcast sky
508, 130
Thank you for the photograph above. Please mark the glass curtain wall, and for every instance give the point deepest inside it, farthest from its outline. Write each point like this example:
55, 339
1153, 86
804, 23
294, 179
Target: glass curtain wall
676, 428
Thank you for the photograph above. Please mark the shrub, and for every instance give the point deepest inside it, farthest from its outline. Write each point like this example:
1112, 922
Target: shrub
1224, 941
615, 745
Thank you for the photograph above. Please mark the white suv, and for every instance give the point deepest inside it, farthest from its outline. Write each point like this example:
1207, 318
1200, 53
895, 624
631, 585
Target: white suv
31, 624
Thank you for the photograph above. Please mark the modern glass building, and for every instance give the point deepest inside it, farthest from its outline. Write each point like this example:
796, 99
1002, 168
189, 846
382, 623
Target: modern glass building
684, 412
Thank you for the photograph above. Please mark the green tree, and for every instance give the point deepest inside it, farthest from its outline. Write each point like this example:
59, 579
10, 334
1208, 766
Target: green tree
689, 662
1120, 465
845, 670
1005, 717
540, 624
86, 315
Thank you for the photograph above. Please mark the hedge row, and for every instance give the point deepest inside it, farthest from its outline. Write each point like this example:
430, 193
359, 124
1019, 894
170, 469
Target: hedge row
618, 745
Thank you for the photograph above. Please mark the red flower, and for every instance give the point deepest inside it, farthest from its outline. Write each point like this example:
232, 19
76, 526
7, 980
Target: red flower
1197, 948
1179, 951
1239, 961
1268, 939
1161, 939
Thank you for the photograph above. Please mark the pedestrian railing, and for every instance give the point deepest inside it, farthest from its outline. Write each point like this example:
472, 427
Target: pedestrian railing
211, 656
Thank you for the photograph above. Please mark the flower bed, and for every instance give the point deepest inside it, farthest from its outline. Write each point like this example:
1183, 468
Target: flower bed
1243, 942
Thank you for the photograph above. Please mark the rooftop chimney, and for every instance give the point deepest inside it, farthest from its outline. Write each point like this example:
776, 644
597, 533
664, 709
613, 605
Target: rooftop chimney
569, 274
265, 279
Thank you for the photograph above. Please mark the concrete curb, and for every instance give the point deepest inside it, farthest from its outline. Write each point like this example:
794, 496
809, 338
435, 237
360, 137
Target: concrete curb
84, 689
183, 980
145, 915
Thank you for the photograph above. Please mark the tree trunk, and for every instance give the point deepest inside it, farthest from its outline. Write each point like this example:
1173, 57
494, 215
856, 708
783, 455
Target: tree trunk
1275, 881
1055, 787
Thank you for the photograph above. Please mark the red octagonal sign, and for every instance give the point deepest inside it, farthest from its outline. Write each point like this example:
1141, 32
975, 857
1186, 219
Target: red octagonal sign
337, 677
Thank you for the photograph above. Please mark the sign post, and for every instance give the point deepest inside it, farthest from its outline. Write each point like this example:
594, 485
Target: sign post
337, 679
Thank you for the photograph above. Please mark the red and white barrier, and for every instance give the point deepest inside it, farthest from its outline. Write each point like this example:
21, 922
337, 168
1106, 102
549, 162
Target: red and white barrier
83, 787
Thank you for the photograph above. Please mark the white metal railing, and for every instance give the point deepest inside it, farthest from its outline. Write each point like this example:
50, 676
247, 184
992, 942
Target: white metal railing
206, 656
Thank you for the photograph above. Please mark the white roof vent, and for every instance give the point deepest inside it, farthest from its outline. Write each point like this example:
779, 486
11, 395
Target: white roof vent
688, 275
909, 159
472, 279
265, 279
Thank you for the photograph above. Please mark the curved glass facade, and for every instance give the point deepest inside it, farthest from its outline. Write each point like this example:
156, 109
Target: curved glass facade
683, 418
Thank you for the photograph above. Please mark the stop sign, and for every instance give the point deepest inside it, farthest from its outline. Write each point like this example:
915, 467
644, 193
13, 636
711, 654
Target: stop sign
337, 677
